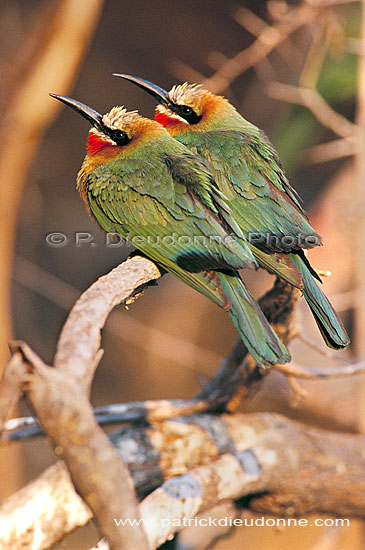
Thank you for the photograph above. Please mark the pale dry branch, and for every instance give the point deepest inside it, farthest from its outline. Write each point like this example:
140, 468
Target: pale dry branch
215, 458
238, 384
42, 512
159, 452
303, 371
237, 377
68, 34
80, 337
60, 398
332, 150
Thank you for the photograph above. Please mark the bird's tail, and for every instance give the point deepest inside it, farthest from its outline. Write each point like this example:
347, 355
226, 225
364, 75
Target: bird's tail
251, 324
330, 325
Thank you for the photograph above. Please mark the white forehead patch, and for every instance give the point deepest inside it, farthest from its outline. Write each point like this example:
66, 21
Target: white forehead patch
118, 117
182, 92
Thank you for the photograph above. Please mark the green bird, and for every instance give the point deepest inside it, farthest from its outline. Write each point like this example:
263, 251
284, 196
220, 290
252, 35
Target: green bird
139, 182
248, 171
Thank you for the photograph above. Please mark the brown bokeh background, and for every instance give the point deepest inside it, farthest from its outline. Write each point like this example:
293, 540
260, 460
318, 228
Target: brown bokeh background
169, 41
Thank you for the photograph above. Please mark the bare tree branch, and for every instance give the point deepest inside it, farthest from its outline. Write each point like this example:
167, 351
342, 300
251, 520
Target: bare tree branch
257, 26
261, 462
237, 377
80, 337
245, 454
311, 99
267, 41
157, 453
332, 150
301, 371
60, 398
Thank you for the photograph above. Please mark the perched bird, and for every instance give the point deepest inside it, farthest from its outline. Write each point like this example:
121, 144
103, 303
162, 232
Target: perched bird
139, 182
248, 171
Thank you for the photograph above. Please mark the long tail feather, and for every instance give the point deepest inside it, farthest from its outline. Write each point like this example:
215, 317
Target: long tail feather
280, 265
229, 292
329, 323
252, 325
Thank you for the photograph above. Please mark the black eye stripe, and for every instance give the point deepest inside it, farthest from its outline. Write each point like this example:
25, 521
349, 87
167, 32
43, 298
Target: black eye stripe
186, 112
118, 136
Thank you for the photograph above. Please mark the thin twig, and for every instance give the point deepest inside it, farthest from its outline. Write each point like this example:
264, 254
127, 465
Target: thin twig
311, 99
301, 371
269, 39
323, 350
259, 28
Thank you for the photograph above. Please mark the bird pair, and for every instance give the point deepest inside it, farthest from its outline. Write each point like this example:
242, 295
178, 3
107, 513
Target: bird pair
205, 194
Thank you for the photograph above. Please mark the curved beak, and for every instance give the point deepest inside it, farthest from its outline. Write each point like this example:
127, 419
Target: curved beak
158, 93
95, 118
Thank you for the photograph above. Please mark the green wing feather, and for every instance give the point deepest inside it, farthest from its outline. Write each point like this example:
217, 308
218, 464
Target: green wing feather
164, 217
248, 172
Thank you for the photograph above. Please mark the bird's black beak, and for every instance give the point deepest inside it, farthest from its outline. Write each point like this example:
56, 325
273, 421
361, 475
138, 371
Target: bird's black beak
92, 116
158, 93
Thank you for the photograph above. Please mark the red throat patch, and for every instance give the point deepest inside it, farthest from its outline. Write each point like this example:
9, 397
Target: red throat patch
95, 143
164, 119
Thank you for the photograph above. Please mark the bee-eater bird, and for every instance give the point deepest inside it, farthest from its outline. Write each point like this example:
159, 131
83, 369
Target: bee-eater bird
248, 171
139, 182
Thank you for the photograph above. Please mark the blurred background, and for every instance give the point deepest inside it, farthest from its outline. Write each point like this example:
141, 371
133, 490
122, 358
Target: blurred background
293, 69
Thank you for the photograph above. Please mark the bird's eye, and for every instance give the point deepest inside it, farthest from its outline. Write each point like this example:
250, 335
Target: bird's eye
120, 137
188, 113
186, 110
